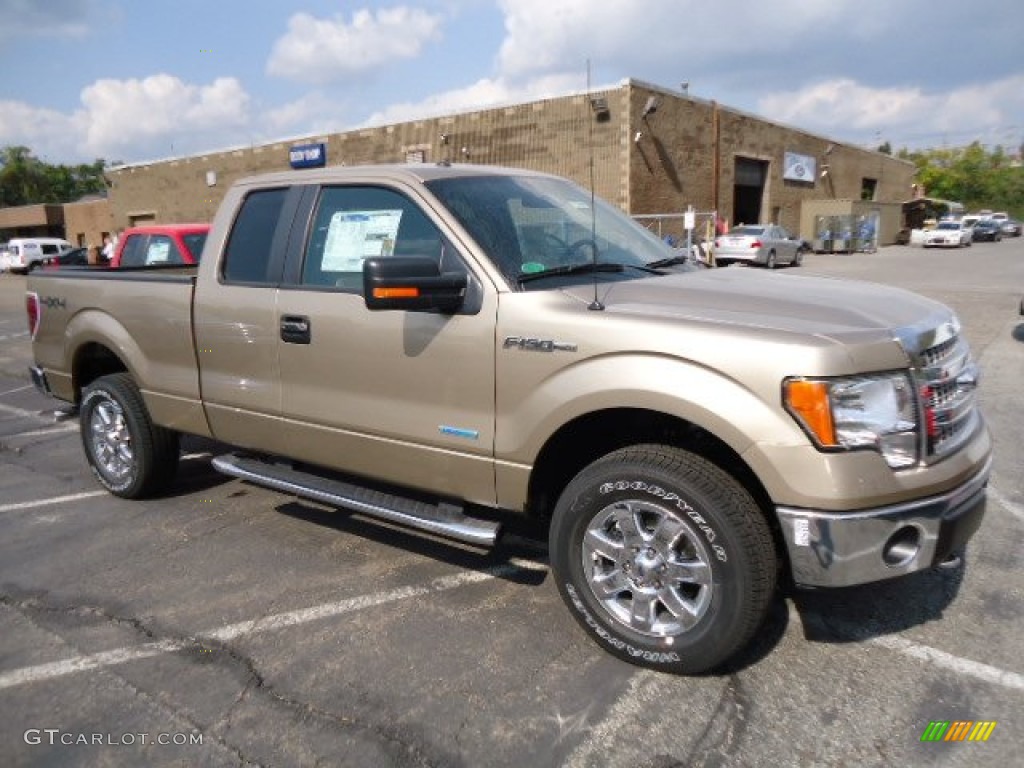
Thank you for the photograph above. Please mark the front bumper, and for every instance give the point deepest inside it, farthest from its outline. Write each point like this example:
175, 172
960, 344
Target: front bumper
841, 549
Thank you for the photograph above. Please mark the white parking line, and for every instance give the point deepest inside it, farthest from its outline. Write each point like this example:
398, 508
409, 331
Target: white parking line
963, 666
19, 389
42, 432
1016, 510
279, 621
47, 502
22, 412
7, 336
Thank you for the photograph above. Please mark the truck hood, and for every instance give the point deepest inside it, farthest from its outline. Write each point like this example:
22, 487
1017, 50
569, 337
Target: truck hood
801, 304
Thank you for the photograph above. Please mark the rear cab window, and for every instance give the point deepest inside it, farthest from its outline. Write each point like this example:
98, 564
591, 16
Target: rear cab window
250, 247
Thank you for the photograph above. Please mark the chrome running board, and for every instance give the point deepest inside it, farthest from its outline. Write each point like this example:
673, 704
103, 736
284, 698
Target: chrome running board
443, 519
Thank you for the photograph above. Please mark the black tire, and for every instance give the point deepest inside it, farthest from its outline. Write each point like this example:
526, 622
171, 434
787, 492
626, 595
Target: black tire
658, 531
129, 455
798, 258
771, 260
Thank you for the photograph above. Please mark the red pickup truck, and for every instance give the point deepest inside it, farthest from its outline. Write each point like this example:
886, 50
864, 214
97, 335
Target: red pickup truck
160, 244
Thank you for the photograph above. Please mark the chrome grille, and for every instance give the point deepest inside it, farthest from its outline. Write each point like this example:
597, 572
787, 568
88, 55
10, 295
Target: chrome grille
947, 377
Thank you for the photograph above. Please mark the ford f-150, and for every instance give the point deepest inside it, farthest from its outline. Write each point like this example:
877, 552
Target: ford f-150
435, 344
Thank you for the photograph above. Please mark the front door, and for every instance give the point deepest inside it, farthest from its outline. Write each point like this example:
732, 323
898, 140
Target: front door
406, 397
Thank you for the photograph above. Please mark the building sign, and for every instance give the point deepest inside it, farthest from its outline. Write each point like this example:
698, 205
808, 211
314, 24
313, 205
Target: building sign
308, 155
799, 168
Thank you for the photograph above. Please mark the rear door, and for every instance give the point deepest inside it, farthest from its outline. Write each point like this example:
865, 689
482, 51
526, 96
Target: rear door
402, 396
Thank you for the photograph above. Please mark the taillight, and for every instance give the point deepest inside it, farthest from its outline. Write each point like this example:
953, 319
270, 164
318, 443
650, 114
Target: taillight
756, 244
32, 309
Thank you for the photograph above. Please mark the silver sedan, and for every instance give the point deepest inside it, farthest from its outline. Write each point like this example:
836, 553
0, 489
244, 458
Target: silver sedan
765, 244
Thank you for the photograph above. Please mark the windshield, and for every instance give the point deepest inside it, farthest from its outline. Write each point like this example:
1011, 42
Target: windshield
531, 225
948, 225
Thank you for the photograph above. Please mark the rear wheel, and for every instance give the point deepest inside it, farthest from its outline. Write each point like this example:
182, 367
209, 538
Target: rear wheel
128, 454
771, 260
663, 558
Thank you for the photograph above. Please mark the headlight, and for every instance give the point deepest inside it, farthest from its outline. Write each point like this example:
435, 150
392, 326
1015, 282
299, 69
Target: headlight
875, 412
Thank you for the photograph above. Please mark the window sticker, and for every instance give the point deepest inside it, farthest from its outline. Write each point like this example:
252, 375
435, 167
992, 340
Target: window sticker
353, 236
158, 252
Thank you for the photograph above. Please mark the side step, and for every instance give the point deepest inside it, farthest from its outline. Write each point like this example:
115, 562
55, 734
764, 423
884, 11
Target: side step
443, 519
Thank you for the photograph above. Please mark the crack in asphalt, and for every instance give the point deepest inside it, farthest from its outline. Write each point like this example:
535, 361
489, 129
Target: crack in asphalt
718, 742
34, 605
390, 738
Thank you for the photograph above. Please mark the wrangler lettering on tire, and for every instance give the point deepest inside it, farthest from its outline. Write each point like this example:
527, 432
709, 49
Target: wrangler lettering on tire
664, 558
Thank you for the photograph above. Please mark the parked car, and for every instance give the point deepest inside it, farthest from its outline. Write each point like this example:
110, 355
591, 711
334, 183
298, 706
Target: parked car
160, 244
1011, 228
987, 229
766, 244
76, 257
949, 234
22, 254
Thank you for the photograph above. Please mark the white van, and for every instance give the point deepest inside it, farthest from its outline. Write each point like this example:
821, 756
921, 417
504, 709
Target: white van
21, 254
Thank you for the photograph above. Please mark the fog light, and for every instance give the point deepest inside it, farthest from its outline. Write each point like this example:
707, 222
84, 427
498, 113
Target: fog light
902, 547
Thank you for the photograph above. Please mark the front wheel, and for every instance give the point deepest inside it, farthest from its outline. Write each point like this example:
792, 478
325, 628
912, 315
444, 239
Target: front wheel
663, 558
128, 454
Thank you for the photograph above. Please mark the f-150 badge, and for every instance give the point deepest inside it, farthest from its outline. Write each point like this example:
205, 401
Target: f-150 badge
538, 345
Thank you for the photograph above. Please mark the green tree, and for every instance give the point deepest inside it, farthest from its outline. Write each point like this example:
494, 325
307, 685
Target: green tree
26, 180
973, 175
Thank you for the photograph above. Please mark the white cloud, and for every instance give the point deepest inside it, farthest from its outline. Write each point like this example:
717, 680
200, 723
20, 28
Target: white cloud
161, 114
129, 120
51, 135
982, 112
546, 35
314, 112
324, 50
482, 94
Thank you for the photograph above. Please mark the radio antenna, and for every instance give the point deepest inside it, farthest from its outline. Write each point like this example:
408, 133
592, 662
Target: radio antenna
596, 304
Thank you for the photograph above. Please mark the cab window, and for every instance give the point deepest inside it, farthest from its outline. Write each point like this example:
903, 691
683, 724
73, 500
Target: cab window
247, 257
352, 224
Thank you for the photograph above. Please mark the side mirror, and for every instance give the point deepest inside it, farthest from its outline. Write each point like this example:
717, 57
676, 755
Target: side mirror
413, 283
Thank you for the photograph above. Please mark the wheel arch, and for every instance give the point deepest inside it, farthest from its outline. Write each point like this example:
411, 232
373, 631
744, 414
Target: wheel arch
583, 440
92, 360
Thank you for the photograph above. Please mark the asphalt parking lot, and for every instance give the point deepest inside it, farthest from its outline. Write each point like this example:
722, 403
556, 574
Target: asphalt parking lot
229, 625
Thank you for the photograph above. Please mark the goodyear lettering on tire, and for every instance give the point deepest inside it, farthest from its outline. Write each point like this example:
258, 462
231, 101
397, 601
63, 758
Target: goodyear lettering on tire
674, 499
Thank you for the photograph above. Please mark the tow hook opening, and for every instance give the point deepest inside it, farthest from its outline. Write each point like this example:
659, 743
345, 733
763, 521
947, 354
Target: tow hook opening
902, 547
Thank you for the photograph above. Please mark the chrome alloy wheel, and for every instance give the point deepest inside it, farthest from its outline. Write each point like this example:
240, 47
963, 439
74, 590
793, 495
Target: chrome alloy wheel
111, 440
647, 567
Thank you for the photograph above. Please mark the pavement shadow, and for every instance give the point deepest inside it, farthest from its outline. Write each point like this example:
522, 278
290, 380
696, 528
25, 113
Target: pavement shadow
855, 614
767, 638
1018, 332
526, 560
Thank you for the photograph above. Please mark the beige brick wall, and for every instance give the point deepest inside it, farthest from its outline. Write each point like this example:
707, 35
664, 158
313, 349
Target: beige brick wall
672, 165
86, 223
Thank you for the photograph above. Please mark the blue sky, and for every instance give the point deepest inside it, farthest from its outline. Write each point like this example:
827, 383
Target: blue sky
135, 80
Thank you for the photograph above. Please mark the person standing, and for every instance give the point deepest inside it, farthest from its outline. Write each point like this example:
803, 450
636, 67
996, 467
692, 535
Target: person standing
108, 248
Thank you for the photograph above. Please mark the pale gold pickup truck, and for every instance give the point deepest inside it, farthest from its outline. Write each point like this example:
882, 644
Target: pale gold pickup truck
433, 344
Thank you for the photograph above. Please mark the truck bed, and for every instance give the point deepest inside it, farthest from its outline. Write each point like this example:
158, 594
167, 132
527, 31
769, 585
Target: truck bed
105, 314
